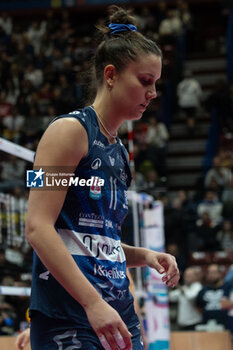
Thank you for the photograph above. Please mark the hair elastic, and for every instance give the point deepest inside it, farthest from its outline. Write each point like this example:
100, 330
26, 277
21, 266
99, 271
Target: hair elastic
118, 27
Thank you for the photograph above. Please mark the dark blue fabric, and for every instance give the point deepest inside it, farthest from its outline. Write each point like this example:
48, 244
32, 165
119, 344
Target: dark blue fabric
55, 334
209, 299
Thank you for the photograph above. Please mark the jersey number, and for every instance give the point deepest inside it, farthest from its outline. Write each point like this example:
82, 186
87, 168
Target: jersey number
113, 200
72, 333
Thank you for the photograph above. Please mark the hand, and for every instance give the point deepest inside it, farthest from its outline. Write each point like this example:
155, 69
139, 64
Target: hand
226, 304
109, 327
164, 263
22, 339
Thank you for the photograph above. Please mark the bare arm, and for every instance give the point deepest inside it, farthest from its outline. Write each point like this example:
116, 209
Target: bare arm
22, 339
56, 149
162, 262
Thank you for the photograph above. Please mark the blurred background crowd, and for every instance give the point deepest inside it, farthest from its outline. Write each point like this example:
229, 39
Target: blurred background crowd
183, 145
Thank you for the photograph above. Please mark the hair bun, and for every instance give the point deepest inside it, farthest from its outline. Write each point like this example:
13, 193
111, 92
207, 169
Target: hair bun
120, 15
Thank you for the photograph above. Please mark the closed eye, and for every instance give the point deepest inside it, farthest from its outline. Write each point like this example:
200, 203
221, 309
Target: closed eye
146, 82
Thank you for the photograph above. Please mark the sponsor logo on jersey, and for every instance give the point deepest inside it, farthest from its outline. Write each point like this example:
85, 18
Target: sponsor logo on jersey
95, 192
75, 112
112, 160
123, 175
91, 220
113, 273
108, 223
125, 205
96, 164
93, 245
98, 144
91, 223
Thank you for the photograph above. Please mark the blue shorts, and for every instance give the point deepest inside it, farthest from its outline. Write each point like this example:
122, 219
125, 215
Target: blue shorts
56, 334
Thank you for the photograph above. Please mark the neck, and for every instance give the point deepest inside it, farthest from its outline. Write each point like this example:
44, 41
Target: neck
107, 116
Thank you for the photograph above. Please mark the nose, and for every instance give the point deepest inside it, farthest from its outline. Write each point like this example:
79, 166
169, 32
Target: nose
151, 93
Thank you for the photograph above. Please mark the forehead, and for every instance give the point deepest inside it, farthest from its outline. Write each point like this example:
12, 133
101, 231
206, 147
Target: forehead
213, 269
150, 64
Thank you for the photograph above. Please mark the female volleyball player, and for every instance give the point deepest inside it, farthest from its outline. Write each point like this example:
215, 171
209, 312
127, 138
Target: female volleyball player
80, 297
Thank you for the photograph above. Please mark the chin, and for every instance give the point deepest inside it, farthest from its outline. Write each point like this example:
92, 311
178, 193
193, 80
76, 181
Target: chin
136, 116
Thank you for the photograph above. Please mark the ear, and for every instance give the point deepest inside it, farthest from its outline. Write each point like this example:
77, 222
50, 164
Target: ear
110, 75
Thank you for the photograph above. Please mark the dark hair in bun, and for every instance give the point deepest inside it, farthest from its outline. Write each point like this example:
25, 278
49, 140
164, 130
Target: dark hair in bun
121, 46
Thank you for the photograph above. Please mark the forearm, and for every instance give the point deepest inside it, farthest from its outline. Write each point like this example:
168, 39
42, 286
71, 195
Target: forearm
57, 259
135, 256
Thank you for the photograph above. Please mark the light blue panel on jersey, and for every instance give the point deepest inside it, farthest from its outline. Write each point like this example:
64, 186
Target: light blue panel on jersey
160, 345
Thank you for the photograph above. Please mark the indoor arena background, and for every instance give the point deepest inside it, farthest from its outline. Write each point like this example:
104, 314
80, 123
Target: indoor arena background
183, 159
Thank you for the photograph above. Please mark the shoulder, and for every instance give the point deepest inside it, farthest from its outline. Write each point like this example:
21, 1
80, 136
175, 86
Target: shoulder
66, 139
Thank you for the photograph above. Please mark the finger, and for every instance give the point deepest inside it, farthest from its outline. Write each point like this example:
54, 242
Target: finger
104, 342
158, 267
126, 335
173, 280
172, 269
110, 336
119, 340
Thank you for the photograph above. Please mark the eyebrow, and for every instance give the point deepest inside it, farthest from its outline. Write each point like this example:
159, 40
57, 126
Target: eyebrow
151, 75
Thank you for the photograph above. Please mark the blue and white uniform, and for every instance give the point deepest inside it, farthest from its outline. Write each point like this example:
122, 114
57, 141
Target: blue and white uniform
90, 226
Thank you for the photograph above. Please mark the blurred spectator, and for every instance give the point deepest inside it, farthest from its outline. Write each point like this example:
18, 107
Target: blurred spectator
12, 92
151, 182
45, 97
225, 236
12, 173
34, 75
49, 116
156, 139
7, 310
5, 106
160, 13
209, 298
188, 315
175, 228
32, 130
170, 27
189, 95
13, 125
220, 100
220, 174
212, 206
182, 8
206, 234
6, 23
227, 304
227, 199
22, 105
35, 33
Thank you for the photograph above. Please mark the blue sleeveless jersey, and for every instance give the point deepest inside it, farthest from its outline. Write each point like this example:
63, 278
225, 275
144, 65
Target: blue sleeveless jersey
90, 226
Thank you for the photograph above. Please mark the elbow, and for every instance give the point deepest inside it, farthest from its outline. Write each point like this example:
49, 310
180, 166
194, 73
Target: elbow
30, 231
